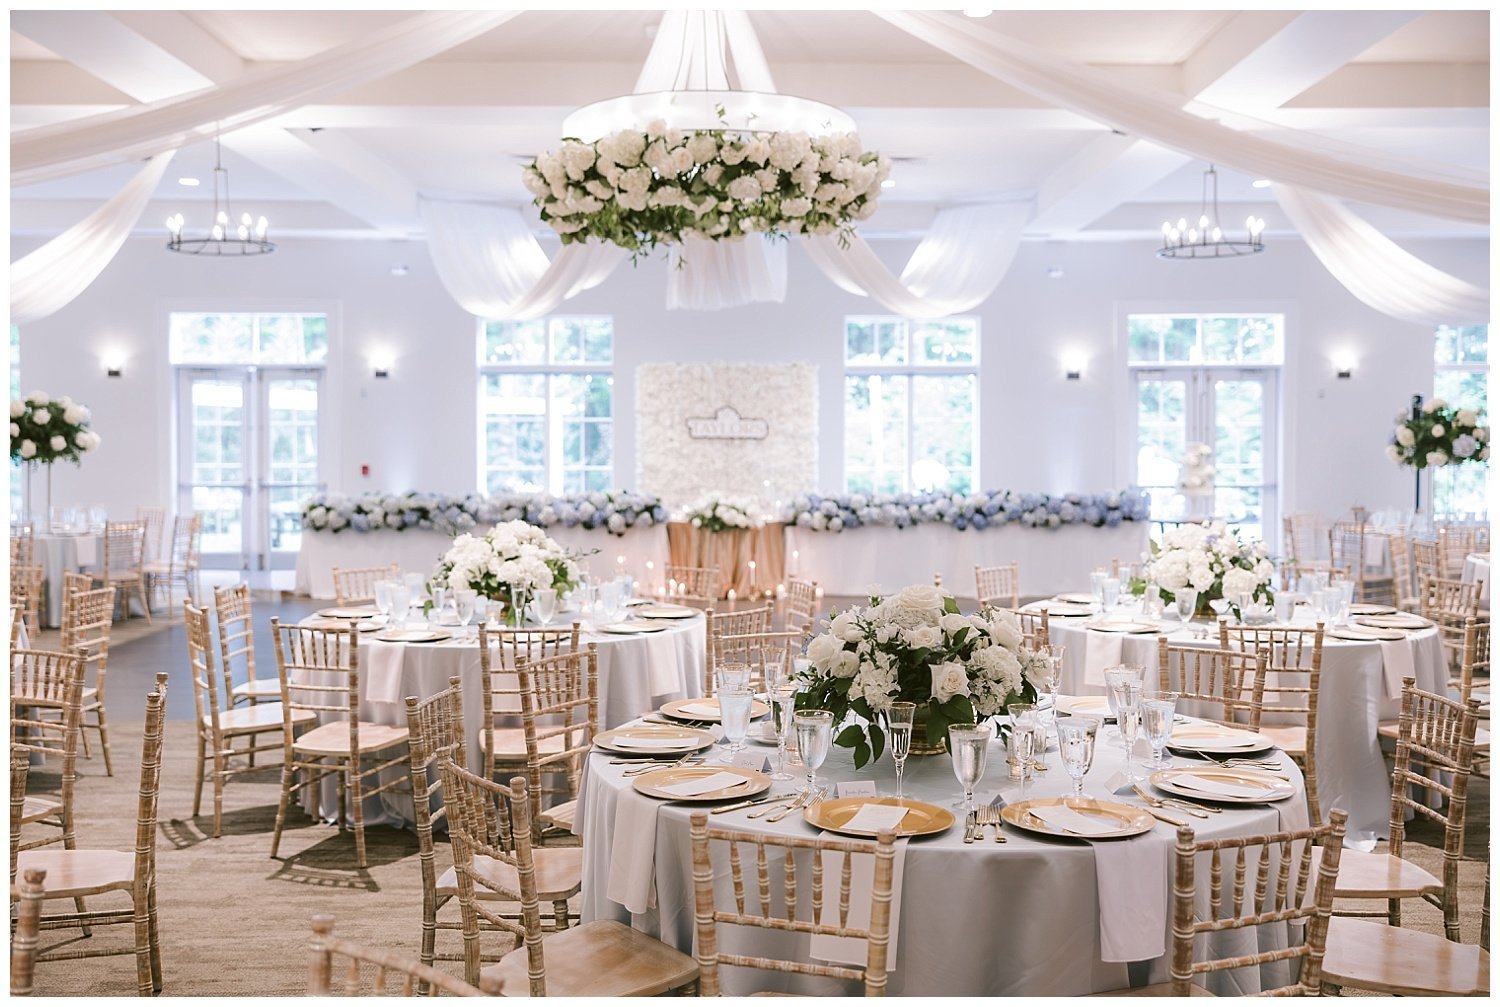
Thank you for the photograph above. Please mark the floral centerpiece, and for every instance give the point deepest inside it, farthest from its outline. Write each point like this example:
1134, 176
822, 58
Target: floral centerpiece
1211, 560
507, 564
717, 512
638, 189
616, 512
915, 647
1439, 435
45, 430
961, 511
1196, 475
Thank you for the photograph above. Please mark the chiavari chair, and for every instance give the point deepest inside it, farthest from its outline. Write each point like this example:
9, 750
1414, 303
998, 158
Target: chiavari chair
124, 566
23, 942
319, 672
716, 624
20, 771
1036, 631
1425, 562
1232, 680
411, 978
22, 543
358, 584
1303, 531
559, 718
802, 907
44, 683
490, 830
17, 622
801, 600
1449, 603
503, 747
26, 590
999, 586
760, 650
79, 873
1349, 548
1455, 542
1401, 574
88, 617
694, 585
155, 520
1294, 662
1252, 880
1435, 743
233, 606
181, 563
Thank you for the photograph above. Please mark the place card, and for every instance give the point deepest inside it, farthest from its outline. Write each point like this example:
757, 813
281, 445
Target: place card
857, 788
758, 761
1117, 783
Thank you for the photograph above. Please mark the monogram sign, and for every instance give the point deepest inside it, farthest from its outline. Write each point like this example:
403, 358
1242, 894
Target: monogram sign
727, 425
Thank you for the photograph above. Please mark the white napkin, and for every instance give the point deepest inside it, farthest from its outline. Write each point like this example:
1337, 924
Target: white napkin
1061, 817
662, 665
1396, 655
700, 709
874, 817
632, 854
1222, 788
1225, 742
87, 549
1131, 875
852, 950
1100, 651
675, 744
703, 784
382, 672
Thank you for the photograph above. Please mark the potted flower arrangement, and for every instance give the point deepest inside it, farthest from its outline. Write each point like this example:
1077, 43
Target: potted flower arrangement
716, 512
1439, 435
507, 564
44, 430
1211, 560
915, 646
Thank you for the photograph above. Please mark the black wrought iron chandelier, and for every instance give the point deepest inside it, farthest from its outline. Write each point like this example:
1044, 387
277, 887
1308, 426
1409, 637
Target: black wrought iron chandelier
1206, 239
225, 237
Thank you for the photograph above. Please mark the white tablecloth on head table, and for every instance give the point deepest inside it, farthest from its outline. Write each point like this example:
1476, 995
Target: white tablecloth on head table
60, 554
419, 549
1354, 696
1018, 919
1051, 560
636, 674
1477, 567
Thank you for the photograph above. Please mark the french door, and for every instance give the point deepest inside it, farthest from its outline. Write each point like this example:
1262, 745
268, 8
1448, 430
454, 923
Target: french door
248, 455
1231, 409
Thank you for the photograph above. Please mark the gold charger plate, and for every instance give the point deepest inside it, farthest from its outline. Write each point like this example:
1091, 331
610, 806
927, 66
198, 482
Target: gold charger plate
1274, 787
316, 622
1193, 738
1401, 620
654, 611
349, 612
413, 635
1064, 609
629, 628
1132, 821
1124, 627
1083, 706
1365, 608
650, 784
1369, 635
610, 740
674, 709
1075, 598
922, 819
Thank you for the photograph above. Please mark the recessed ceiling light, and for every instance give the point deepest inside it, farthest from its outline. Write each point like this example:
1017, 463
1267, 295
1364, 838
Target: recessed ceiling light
187, 181
889, 183
1261, 183
400, 270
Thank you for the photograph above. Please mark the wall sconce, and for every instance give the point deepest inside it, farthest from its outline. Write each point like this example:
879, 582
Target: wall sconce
1343, 365
114, 363
1073, 363
381, 364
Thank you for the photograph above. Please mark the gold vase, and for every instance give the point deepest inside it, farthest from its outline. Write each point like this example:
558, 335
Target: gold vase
919, 742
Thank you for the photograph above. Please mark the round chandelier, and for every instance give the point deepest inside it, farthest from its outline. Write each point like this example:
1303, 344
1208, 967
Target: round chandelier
225, 236
1206, 239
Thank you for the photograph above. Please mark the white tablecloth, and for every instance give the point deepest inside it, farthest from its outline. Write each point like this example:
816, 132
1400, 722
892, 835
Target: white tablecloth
1051, 560
419, 549
1353, 698
60, 554
978, 920
1477, 567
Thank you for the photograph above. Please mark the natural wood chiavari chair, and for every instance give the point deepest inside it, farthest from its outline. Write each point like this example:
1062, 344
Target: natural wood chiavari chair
233, 606
769, 648
22, 543
17, 622
801, 910
1449, 603
1303, 532
218, 728
1435, 742
20, 770
23, 942
717, 624
1473, 679
559, 718
180, 566
88, 617
998, 585
155, 520
358, 584
1349, 548
1455, 542
319, 672
694, 585
1036, 630
1294, 663
123, 565
490, 829
45, 714
79, 873
1426, 562
1403, 585
26, 590
504, 747
1243, 894
801, 600
1230, 679
412, 978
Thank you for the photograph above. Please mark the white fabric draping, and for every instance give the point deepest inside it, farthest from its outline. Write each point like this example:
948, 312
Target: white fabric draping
94, 141
706, 275
962, 260
493, 266
1161, 118
44, 280
1377, 270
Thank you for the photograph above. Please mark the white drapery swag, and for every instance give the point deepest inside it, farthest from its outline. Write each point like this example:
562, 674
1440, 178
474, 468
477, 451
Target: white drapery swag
1161, 118
1377, 270
55, 151
492, 265
44, 280
966, 254
705, 275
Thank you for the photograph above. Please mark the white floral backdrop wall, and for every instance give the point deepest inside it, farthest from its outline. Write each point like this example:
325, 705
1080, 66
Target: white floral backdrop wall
774, 407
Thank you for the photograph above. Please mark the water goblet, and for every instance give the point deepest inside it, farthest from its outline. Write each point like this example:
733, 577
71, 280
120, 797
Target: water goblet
1109, 593
1021, 749
400, 603
1158, 713
1096, 586
383, 599
415, 583
783, 698
544, 605
814, 738
732, 675
463, 607
1075, 743
627, 587
609, 601
734, 715
1219, 606
1125, 697
1118, 673
439, 595
968, 744
899, 718
1187, 603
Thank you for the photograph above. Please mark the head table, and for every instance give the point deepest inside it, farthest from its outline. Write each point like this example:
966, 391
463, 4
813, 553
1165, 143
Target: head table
986, 919
1359, 686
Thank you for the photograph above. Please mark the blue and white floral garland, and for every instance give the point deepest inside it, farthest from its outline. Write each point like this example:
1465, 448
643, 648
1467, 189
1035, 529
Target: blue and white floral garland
616, 512
977, 511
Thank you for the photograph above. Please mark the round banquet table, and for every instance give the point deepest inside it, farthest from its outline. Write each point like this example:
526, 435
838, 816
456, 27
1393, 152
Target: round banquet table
58, 554
1477, 567
1357, 690
983, 920
635, 673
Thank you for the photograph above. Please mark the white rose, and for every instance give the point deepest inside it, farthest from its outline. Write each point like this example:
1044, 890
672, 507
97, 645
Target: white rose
924, 636
1436, 458
920, 597
1004, 631
1393, 452
845, 665
952, 622
948, 680
822, 651
73, 415
42, 417
58, 442
28, 449
17, 409
15, 430
845, 628
1467, 417
39, 398
1405, 437
1437, 430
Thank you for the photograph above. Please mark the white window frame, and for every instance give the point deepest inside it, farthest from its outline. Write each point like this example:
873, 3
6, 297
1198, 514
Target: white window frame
908, 370
1465, 367
554, 468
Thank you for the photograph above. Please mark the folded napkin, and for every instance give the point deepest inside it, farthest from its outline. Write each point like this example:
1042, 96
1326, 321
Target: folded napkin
1396, 656
852, 950
1219, 788
382, 672
1100, 651
1132, 879
676, 744
700, 709
1062, 817
632, 852
663, 665
704, 784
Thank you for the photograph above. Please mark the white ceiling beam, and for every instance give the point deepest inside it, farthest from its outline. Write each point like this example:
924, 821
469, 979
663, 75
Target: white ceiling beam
176, 33
104, 47
1090, 184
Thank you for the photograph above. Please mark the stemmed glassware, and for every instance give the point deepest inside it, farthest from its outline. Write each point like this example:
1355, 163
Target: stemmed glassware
1186, 601
814, 738
400, 595
968, 744
439, 595
1075, 742
734, 715
1049, 680
1022, 749
544, 605
1131, 672
463, 607
1109, 593
1125, 698
383, 599
1158, 713
899, 718
783, 698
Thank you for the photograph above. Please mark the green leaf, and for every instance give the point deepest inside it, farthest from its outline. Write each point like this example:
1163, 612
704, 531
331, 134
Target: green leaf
950, 605
877, 740
850, 736
861, 754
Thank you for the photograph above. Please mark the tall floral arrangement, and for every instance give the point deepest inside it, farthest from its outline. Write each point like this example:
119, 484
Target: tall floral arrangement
1211, 560
638, 189
46, 430
1440, 435
720, 512
1196, 475
508, 564
915, 646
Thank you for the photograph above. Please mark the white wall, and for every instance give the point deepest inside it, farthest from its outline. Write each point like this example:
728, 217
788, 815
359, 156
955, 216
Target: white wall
1039, 432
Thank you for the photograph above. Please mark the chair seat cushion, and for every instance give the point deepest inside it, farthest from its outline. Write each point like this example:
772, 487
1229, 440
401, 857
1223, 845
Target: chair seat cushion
1381, 876
510, 743
333, 739
1154, 990
559, 873
260, 687
79, 872
1396, 960
263, 717
1290, 738
37, 808
599, 959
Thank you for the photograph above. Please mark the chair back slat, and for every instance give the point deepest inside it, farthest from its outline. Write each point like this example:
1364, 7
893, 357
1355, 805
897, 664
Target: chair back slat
1434, 744
356, 584
233, 606
716, 624
998, 585
150, 789
1232, 680
801, 600
155, 521
693, 584
124, 550
319, 671
43, 680
201, 664
383, 969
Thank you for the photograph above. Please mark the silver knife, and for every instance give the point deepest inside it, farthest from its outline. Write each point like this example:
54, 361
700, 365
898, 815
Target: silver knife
751, 803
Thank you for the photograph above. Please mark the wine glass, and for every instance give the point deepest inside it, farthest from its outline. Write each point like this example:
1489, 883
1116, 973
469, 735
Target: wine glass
1022, 753
1158, 713
1125, 698
544, 605
609, 601
415, 583
732, 676
1109, 593
968, 744
400, 603
1075, 742
1186, 600
1096, 586
1121, 672
1049, 679
782, 700
439, 599
899, 718
463, 607
814, 738
734, 715
383, 599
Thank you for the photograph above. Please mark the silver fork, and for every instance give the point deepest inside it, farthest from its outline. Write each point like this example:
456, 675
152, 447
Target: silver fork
990, 815
686, 760
812, 798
